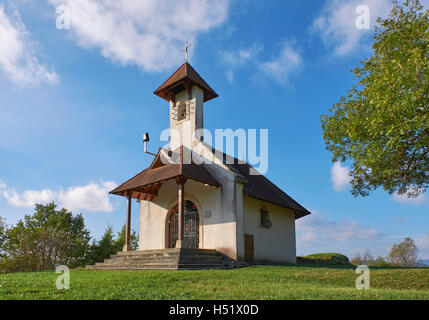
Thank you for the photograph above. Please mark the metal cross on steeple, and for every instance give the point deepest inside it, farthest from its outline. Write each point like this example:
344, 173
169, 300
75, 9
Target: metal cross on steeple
188, 44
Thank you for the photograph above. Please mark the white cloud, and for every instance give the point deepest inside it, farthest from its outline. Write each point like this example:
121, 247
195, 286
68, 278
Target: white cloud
149, 34
2, 185
340, 177
18, 58
28, 198
317, 229
239, 57
92, 197
423, 245
281, 67
337, 23
403, 198
230, 75
316, 233
234, 59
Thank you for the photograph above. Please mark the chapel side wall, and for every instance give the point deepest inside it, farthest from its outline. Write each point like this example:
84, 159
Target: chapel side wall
275, 244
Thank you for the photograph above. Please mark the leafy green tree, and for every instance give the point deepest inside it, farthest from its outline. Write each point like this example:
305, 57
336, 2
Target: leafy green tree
382, 125
108, 245
404, 254
2, 235
103, 248
45, 239
134, 239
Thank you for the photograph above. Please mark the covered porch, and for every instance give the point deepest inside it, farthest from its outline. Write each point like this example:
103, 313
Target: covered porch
167, 166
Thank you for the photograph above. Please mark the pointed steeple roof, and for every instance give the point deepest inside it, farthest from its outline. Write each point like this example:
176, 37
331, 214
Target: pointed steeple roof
186, 74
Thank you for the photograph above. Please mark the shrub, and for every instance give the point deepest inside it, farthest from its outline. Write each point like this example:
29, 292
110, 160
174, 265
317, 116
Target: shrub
331, 258
404, 254
363, 259
45, 239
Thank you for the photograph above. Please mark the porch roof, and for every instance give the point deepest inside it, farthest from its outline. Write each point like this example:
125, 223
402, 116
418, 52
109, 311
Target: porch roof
145, 185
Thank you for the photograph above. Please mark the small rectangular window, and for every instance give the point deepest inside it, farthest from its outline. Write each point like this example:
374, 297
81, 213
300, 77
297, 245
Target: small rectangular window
265, 219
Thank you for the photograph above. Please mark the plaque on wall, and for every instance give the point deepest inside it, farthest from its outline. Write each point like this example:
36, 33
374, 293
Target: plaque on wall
207, 214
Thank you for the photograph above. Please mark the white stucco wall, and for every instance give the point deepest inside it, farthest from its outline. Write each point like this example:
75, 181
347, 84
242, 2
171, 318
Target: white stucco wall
217, 220
276, 244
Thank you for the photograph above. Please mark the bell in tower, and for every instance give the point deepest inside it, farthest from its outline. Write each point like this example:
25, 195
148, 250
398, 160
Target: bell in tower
186, 92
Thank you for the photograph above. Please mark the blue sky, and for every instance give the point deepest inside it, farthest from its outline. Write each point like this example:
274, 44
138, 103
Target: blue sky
75, 102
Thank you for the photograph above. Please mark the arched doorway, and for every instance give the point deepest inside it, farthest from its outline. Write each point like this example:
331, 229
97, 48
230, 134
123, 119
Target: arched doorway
192, 226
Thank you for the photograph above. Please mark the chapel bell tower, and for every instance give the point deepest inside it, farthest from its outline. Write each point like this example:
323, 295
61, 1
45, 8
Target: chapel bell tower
186, 92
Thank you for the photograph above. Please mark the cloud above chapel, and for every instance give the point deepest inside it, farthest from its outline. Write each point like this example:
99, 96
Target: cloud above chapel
279, 67
149, 34
336, 24
19, 60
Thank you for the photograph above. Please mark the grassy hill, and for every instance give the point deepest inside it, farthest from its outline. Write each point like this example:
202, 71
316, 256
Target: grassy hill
263, 282
326, 258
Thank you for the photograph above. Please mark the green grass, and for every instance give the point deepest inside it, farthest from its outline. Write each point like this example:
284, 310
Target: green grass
264, 282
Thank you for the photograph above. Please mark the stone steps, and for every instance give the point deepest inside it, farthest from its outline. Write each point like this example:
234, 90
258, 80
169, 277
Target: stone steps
169, 251
157, 267
161, 264
168, 259
116, 259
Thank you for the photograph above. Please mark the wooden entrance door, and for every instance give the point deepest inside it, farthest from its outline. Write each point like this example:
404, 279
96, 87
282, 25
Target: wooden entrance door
249, 250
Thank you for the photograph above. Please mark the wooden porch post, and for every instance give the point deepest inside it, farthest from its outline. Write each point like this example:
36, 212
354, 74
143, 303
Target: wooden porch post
181, 207
127, 246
